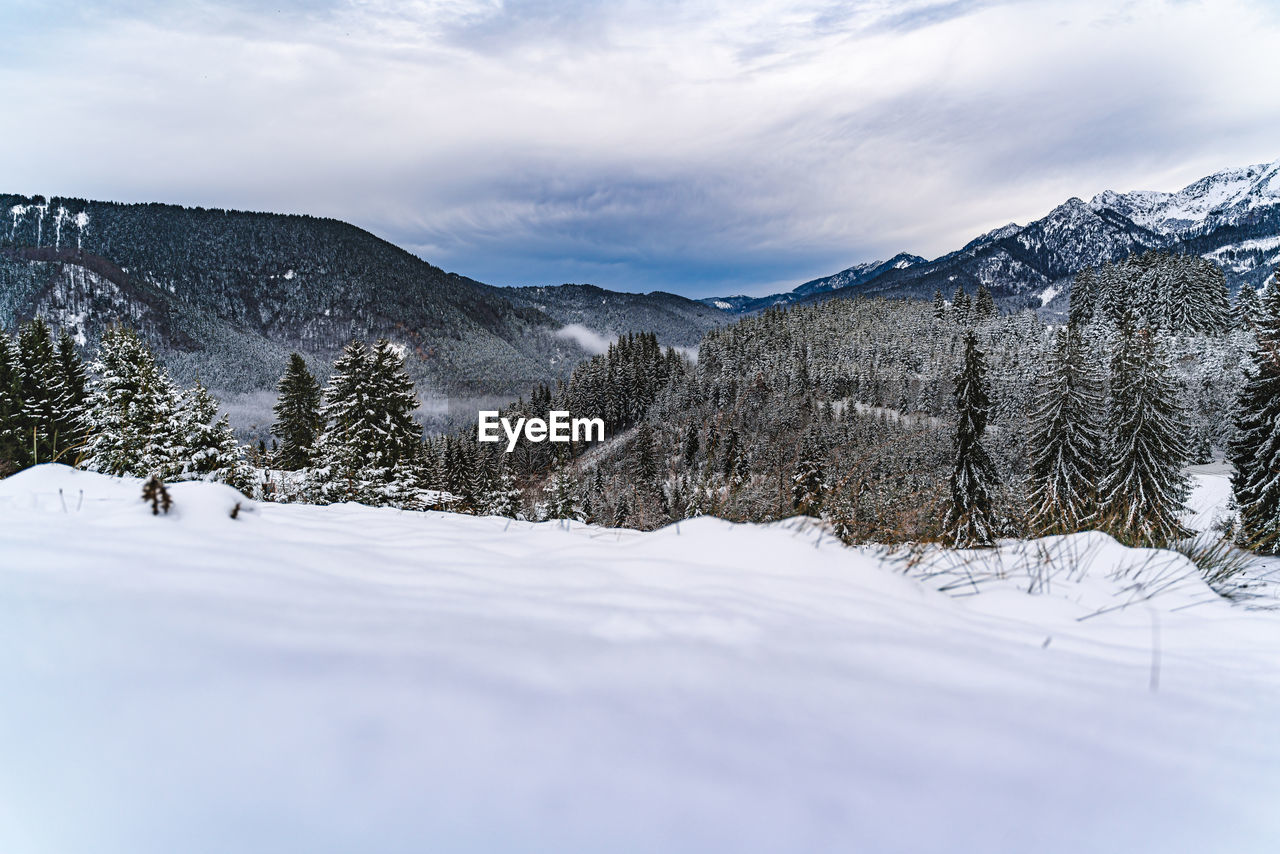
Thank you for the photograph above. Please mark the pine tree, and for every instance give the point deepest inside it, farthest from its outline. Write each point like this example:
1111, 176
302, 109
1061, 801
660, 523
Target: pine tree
808, 479
339, 462
561, 502
394, 400
458, 475
1066, 440
1248, 308
503, 498
970, 521
691, 444
1255, 450
370, 446
1083, 303
960, 305
131, 410
12, 422
1142, 491
297, 412
939, 305
731, 455
72, 397
207, 448
984, 305
39, 393
621, 512
644, 459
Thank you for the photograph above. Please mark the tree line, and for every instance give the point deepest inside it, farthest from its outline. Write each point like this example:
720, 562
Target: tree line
890, 420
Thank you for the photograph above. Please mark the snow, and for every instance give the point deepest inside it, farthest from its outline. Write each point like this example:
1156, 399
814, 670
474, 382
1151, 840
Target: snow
341, 678
1243, 265
1222, 198
289, 275
721, 304
1047, 295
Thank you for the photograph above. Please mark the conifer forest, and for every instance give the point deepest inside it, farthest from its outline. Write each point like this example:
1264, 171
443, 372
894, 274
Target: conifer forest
891, 420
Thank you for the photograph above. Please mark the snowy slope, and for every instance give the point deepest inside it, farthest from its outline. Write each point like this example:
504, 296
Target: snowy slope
1223, 198
346, 679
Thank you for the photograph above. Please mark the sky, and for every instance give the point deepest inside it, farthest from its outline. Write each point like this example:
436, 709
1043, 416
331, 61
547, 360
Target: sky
704, 148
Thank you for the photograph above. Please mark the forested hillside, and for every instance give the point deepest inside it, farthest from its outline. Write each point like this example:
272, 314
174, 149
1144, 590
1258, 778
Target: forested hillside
675, 320
848, 409
891, 420
224, 296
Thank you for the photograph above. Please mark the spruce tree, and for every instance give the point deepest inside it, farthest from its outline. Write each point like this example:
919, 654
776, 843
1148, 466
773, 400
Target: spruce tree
1083, 301
1066, 440
370, 448
458, 477
39, 393
984, 305
72, 393
960, 305
970, 520
297, 412
394, 401
338, 469
131, 411
503, 498
1142, 492
561, 501
207, 448
939, 305
644, 459
691, 443
1255, 450
1248, 308
808, 478
12, 420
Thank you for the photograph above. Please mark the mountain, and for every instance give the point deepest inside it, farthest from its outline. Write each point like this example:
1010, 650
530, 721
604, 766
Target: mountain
851, 278
224, 296
676, 320
1231, 217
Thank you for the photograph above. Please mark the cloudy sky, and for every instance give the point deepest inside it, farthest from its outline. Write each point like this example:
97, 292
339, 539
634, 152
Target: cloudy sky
706, 148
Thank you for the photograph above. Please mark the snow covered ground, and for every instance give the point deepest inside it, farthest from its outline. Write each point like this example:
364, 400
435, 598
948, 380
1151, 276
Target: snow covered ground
324, 679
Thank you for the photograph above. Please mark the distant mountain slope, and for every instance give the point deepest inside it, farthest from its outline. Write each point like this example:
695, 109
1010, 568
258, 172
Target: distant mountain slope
820, 288
676, 321
225, 295
1231, 217
209, 281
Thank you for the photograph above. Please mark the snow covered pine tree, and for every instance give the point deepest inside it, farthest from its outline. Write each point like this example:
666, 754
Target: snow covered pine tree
1066, 439
297, 412
370, 446
1255, 451
969, 520
1142, 491
131, 410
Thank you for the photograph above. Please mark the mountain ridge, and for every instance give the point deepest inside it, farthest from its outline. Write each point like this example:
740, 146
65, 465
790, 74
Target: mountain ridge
224, 296
1231, 217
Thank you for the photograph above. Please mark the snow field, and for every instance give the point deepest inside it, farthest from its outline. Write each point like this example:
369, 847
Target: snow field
342, 678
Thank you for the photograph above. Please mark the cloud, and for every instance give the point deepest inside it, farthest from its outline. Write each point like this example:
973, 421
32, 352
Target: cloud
699, 147
588, 339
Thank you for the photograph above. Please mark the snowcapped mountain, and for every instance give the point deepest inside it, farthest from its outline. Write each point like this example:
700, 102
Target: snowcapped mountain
858, 274
1231, 217
854, 276
1226, 198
